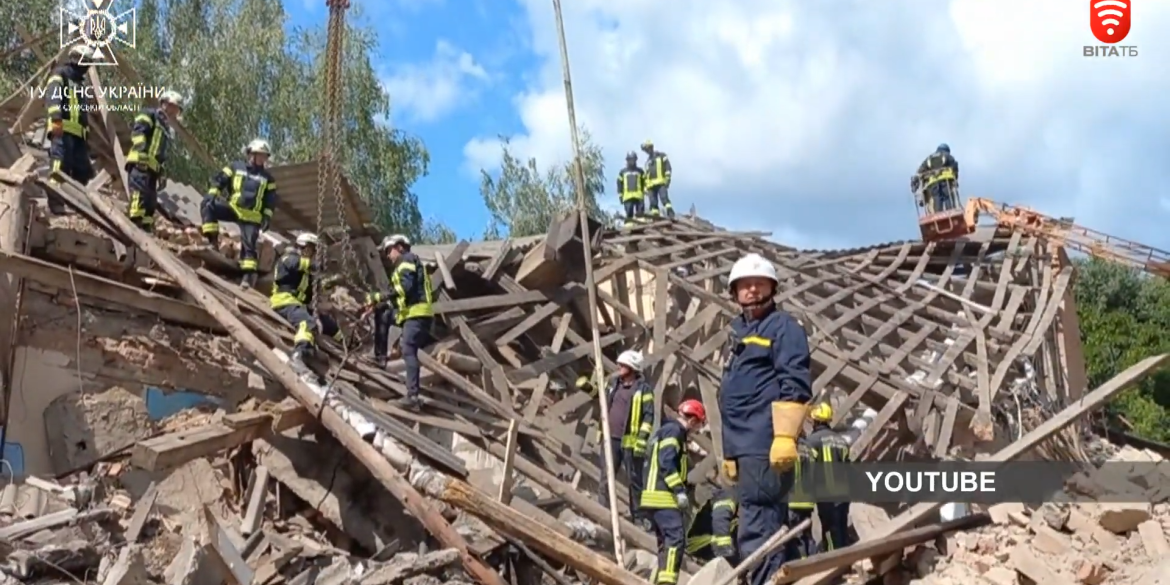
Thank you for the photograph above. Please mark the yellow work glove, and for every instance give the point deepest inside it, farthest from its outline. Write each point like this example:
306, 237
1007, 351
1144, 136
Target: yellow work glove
787, 420
730, 471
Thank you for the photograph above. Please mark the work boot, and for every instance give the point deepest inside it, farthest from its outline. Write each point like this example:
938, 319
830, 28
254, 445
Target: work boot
212, 240
409, 402
297, 362
380, 361
249, 280
669, 212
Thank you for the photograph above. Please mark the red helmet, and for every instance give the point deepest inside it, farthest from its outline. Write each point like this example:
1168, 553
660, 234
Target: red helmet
694, 409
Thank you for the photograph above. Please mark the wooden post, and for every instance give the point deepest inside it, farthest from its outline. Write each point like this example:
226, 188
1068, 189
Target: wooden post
591, 287
509, 463
379, 467
14, 218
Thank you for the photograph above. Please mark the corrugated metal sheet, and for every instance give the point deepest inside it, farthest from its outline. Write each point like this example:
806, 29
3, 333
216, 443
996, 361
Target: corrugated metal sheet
298, 202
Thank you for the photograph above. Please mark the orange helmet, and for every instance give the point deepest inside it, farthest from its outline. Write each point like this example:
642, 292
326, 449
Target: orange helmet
693, 408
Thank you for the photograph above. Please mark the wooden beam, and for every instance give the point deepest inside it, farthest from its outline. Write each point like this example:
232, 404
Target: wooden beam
14, 225
509, 472
174, 449
97, 287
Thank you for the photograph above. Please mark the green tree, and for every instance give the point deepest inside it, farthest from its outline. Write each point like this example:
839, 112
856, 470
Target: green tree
244, 76
436, 232
1124, 318
523, 199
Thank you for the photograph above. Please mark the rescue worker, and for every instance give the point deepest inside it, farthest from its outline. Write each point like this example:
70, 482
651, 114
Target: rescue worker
800, 506
938, 177
292, 298
712, 532
829, 448
243, 193
412, 308
631, 419
665, 498
631, 186
657, 180
150, 146
765, 388
67, 107
380, 305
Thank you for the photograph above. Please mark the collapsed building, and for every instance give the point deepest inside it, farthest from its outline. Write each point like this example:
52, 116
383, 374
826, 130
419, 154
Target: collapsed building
966, 349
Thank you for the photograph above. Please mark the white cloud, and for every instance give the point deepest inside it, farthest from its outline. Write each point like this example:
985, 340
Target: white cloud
811, 117
427, 91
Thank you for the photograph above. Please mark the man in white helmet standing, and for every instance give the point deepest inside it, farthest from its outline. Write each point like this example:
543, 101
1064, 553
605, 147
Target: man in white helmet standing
67, 110
763, 399
631, 420
292, 298
412, 302
150, 147
243, 193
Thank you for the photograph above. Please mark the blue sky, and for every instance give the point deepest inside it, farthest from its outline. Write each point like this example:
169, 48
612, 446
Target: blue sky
805, 119
452, 69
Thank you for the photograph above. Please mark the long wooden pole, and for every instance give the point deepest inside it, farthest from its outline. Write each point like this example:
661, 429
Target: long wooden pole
379, 467
590, 285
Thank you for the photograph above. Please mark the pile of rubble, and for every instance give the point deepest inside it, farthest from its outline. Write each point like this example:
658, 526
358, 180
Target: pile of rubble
241, 516
1070, 540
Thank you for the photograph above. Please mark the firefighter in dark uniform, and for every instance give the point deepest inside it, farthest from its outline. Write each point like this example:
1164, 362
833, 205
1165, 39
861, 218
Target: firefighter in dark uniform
763, 398
67, 108
292, 298
800, 506
665, 498
413, 310
243, 193
938, 177
631, 186
657, 180
829, 447
631, 419
379, 304
712, 532
150, 146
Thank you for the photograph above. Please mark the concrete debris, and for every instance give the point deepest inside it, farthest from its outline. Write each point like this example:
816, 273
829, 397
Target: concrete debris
1076, 541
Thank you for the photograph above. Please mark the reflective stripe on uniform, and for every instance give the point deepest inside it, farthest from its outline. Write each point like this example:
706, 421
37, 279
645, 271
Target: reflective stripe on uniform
420, 309
653, 496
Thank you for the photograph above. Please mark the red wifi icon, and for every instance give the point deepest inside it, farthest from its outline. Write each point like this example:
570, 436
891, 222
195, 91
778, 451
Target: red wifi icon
1109, 20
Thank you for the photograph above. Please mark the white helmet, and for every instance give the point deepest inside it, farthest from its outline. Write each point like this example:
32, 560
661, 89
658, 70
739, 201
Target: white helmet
79, 51
752, 266
631, 358
258, 146
171, 96
306, 239
394, 240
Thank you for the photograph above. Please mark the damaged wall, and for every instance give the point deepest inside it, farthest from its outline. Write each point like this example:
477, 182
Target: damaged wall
85, 426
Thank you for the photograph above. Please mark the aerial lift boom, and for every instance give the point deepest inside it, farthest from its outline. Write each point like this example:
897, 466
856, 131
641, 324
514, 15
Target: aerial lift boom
1061, 231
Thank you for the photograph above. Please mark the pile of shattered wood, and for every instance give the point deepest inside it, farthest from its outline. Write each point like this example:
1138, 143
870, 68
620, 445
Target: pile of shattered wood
246, 515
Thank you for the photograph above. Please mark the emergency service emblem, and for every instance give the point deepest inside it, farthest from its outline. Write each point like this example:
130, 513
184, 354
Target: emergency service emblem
95, 25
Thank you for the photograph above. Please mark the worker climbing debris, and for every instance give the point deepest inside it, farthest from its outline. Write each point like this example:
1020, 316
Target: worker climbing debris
765, 388
938, 180
712, 532
150, 145
665, 499
413, 310
243, 193
292, 298
68, 114
657, 181
378, 304
631, 187
829, 448
631, 419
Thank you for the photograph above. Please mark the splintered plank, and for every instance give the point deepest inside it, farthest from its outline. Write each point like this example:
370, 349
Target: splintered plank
878, 425
174, 449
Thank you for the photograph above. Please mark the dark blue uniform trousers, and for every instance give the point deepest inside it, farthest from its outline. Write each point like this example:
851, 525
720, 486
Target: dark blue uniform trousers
803, 545
69, 154
416, 335
622, 458
671, 534
762, 512
834, 519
